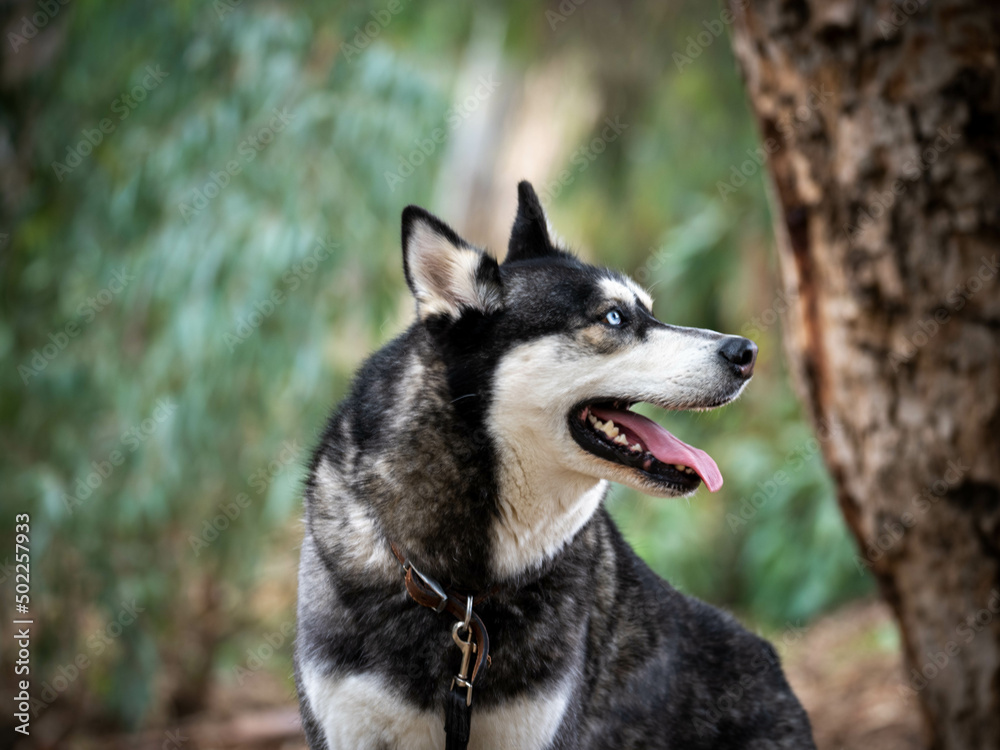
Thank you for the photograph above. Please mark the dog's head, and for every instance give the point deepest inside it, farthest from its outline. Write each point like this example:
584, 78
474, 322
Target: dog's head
548, 355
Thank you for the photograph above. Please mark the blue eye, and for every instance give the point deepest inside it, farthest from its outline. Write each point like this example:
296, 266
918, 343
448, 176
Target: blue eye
614, 318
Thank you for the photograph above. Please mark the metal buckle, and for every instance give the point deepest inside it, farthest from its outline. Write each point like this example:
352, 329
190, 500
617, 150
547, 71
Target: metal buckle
463, 683
468, 648
431, 584
468, 612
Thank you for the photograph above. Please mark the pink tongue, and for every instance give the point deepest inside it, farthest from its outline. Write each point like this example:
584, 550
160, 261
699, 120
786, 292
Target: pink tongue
664, 446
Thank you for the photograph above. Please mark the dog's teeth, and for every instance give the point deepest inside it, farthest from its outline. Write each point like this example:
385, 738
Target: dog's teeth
621, 440
635, 448
680, 467
595, 421
610, 430
688, 470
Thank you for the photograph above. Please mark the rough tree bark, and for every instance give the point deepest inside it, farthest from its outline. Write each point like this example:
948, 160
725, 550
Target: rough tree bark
883, 125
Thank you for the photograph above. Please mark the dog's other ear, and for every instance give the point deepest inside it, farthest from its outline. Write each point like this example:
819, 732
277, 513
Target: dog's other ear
530, 236
446, 274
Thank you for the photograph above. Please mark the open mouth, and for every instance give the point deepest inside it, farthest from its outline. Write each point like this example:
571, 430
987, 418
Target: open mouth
609, 430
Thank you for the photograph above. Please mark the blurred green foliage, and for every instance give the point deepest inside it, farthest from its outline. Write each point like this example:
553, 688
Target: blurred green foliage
210, 370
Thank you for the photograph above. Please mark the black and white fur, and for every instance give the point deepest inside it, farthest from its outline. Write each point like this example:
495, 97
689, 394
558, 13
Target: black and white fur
456, 444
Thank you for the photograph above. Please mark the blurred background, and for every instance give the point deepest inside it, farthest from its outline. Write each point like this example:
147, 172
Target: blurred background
201, 206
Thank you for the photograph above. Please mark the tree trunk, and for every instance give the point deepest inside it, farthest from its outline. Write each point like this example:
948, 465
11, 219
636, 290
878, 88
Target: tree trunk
882, 128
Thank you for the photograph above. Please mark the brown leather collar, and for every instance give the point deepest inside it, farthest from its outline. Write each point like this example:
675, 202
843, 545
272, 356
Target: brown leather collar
427, 592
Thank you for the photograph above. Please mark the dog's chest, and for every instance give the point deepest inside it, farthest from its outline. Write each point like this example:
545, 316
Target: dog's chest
360, 712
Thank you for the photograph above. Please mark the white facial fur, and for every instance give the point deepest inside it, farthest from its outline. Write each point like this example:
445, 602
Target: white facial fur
550, 486
626, 291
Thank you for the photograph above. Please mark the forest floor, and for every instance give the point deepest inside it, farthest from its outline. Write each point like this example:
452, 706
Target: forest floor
845, 668
847, 671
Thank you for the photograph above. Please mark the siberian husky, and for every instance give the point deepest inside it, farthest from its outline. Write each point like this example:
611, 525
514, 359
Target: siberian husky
465, 472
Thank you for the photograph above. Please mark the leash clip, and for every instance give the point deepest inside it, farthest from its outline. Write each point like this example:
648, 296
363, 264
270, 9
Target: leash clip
468, 648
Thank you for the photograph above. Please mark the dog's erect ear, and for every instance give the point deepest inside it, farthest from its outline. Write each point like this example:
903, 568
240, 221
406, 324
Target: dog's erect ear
530, 236
446, 274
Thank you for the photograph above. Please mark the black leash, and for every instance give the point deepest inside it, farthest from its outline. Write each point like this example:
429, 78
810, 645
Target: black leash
457, 721
469, 634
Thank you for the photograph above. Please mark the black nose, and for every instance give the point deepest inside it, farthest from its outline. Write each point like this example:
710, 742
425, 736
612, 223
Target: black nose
741, 352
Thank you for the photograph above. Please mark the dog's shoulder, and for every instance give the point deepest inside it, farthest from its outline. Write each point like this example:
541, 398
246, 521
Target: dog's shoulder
706, 681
